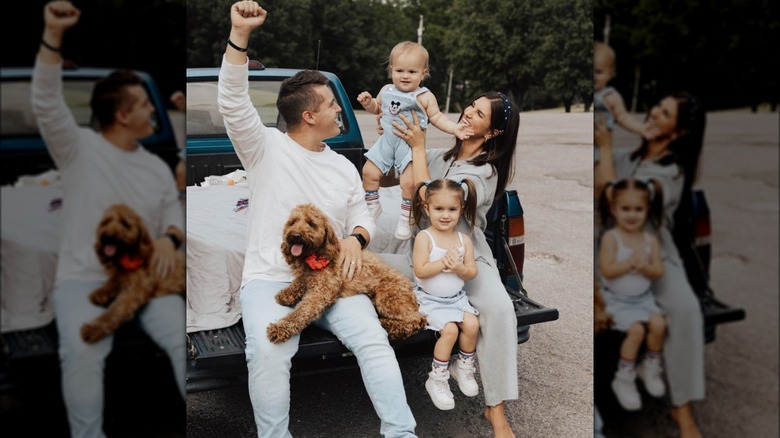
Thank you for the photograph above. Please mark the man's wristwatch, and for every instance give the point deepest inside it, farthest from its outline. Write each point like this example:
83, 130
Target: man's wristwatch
361, 239
174, 239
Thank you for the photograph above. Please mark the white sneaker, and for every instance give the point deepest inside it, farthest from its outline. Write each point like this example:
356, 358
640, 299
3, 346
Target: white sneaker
404, 230
438, 387
462, 371
375, 209
650, 373
624, 387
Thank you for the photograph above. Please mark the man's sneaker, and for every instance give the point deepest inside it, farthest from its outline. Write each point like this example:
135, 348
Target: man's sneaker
650, 373
403, 231
375, 210
438, 387
462, 371
624, 387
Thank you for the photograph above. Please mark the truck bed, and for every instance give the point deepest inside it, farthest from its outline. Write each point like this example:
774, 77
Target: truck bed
216, 357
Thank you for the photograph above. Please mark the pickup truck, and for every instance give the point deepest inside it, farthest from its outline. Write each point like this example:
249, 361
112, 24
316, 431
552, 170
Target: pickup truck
29, 364
216, 356
23, 150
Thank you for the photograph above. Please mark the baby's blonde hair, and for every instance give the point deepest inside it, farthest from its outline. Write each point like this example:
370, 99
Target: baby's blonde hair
605, 50
403, 47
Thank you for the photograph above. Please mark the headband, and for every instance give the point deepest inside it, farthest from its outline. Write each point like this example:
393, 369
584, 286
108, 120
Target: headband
693, 108
507, 111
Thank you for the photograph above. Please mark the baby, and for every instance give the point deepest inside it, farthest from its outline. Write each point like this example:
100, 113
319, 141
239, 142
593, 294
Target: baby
607, 101
407, 67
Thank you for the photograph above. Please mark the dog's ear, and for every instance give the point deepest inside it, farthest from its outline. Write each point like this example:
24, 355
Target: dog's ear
286, 253
145, 242
98, 246
332, 247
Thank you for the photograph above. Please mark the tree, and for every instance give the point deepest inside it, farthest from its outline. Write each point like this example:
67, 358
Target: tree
727, 59
564, 55
488, 45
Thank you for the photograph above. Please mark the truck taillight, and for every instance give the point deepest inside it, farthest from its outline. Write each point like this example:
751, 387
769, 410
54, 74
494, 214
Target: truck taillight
701, 219
516, 242
702, 231
516, 231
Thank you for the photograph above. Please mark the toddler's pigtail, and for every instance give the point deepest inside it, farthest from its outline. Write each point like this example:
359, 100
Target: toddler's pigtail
470, 204
656, 208
605, 204
417, 203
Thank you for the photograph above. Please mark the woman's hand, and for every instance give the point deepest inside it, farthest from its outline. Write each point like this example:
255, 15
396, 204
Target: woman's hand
412, 133
602, 136
604, 170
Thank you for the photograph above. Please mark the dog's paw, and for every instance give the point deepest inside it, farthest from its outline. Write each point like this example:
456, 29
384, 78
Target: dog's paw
99, 297
401, 329
287, 299
92, 333
278, 332
422, 322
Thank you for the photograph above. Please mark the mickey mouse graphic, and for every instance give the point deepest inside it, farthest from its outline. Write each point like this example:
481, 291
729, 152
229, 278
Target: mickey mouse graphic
395, 107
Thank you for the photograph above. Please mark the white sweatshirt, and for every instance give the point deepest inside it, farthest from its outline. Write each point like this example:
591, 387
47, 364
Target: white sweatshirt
282, 174
96, 174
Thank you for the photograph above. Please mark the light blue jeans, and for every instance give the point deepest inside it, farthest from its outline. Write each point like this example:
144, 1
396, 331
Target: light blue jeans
354, 321
82, 364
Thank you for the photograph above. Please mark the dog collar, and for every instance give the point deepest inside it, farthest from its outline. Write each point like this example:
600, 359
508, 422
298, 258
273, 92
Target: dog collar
130, 263
317, 263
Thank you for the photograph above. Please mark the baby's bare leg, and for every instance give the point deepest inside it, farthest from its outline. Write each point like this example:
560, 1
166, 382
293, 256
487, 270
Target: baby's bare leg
371, 176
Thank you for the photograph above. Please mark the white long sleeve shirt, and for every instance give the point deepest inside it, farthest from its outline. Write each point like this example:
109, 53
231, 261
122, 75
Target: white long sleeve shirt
282, 174
96, 174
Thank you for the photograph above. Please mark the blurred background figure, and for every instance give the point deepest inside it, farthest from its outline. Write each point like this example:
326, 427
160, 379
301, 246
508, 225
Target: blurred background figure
93, 139
725, 65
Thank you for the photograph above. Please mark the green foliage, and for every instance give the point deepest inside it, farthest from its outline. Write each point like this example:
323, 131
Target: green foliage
564, 55
490, 45
723, 51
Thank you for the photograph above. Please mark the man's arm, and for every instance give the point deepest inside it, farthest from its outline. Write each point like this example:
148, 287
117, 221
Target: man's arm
56, 124
242, 123
58, 16
245, 16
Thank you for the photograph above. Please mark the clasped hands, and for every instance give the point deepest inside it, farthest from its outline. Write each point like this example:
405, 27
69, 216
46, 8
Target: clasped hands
453, 261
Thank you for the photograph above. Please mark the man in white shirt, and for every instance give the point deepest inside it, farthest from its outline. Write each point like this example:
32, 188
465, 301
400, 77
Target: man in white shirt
99, 169
284, 170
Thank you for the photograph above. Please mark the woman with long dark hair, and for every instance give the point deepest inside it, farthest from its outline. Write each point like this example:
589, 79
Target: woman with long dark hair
486, 158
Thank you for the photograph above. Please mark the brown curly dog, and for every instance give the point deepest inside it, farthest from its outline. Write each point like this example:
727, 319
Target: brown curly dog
319, 283
124, 248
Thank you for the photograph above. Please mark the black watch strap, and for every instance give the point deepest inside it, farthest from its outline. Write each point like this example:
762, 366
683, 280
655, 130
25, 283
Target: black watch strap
175, 239
361, 239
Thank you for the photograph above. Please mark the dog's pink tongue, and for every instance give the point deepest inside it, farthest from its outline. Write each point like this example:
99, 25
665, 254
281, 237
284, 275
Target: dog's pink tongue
109, 250
296, 250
